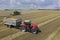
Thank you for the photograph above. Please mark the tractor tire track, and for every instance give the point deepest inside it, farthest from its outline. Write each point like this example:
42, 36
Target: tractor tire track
7, 32
51, 37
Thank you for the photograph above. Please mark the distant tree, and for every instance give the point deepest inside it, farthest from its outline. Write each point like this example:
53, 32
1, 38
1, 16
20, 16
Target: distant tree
6, 9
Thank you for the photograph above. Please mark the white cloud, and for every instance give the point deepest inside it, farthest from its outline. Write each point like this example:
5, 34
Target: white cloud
53, 6
58, 3
30, 4
28, 0
4, 7
3, 0
40, 0
18, 3
12, 1
33, 6
34, 0
49, 7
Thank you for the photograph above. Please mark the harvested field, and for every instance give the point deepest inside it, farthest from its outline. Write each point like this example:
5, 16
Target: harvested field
48, 21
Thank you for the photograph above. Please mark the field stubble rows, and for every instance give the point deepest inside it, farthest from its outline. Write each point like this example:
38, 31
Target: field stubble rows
36, 18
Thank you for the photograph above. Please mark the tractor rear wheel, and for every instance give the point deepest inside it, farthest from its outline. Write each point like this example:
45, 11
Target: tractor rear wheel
34, 31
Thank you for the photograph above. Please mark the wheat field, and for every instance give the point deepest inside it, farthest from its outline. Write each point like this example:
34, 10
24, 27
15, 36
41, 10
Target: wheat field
48, 21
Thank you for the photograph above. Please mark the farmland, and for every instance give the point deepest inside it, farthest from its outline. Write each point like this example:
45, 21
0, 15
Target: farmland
48, 21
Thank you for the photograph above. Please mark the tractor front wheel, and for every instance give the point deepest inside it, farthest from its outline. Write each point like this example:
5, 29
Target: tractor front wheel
22, 29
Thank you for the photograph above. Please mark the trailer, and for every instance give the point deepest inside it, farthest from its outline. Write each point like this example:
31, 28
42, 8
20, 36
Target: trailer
11, 22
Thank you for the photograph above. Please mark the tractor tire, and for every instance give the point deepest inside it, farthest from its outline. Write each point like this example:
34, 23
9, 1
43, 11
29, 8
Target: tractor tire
9, 26
34, 31
22, 29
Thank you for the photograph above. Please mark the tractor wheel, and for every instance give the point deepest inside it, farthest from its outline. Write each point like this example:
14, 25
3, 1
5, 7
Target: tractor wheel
6, 25
9, 26
34, 31
22, 29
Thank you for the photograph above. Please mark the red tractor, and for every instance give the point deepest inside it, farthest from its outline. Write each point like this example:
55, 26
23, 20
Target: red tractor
28, 26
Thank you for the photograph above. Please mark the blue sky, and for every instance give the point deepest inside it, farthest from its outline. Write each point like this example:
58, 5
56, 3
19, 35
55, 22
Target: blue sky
29, 4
